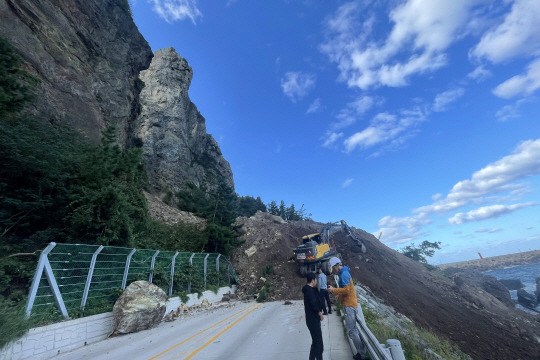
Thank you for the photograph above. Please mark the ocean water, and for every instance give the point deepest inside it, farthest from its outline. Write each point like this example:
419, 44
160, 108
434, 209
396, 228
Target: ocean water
526, 273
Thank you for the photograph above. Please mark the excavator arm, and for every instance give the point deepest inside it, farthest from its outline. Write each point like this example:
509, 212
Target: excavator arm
329, 228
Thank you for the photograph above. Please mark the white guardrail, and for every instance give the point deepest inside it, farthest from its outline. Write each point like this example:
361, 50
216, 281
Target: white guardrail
391, 351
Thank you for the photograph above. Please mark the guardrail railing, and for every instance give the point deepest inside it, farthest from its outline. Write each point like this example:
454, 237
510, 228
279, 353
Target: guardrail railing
390, 351
84, 279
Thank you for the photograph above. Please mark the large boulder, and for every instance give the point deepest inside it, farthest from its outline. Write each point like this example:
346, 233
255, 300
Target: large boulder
512, 284
140, 307
526, 299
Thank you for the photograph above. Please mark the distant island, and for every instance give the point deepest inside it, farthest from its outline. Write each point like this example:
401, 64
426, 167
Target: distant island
497, 262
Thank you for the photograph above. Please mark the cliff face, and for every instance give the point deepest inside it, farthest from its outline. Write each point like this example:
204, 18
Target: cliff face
176, 147
88, 55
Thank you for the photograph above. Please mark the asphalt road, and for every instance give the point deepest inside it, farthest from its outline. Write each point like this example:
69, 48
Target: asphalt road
240, 331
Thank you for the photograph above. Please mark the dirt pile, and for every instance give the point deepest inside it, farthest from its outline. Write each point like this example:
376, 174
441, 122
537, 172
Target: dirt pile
169, 215
467, 308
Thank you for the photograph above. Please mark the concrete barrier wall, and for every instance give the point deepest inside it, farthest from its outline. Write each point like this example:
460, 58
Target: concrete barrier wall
47, 341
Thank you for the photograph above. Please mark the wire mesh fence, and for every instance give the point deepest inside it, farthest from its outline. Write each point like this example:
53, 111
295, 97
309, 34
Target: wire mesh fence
73, 280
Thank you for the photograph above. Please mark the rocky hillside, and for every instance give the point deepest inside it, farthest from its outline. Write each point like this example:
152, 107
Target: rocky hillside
471, 310
96, 70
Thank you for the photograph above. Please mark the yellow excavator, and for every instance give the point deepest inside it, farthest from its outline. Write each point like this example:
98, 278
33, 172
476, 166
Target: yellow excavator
317, 249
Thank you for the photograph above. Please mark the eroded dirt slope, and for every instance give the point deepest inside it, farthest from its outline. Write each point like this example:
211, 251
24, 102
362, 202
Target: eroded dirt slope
470, 309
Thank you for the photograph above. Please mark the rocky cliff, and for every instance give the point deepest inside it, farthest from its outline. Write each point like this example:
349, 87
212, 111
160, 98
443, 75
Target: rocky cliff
172, 132
88, 55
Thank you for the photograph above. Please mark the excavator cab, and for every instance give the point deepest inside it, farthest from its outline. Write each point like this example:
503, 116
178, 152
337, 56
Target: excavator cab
316, 249
312, 237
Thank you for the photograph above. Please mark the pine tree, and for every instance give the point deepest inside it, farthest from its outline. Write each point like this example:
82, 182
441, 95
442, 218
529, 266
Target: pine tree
273, 208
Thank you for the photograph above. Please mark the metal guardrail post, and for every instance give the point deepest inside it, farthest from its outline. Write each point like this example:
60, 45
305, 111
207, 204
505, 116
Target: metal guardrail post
126, 269
217, 268
191, 264
89, 277
45, 265
37, 278
395, 349
205, 262
152, 266
172, 272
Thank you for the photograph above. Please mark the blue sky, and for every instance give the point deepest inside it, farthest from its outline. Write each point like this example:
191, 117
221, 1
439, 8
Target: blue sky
418, 119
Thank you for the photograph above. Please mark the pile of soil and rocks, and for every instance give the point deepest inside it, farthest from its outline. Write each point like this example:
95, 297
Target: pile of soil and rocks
470, 309
164, 213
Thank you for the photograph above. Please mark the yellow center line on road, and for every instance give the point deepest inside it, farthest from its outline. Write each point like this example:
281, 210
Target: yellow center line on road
202, 331
221, 333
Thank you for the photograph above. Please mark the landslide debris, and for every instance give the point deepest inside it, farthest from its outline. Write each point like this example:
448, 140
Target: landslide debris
467, 308
169, 215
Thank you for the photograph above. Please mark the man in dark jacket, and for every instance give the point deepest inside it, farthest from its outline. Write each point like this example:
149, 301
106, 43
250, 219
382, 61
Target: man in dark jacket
314, 316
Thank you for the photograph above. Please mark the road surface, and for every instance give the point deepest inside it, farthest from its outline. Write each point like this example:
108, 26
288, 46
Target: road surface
241, 331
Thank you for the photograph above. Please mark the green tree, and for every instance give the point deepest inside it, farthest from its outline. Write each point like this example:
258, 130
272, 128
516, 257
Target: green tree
106, 197
273, 208
219, 206
419, 253
282, 210
248, 206
288, 212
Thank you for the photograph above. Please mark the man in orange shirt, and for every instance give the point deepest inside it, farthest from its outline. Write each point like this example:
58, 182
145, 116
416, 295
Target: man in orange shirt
347, 296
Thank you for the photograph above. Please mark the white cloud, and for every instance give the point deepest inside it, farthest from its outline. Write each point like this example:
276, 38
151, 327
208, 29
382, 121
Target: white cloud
401, 230
511, 111
517, 35
524, 84
497, 177
297, 84
445, 98
494, 178
173, 10
486, 212
422, 30
385, 128
489, 231
332, 138
479, 74
315, 106
353, 111
347, 183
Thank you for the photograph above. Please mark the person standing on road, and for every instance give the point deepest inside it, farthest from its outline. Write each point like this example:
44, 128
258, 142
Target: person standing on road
323, 291
314, 316
347, 296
